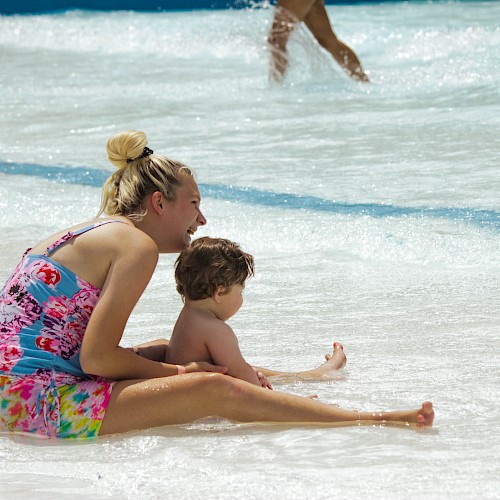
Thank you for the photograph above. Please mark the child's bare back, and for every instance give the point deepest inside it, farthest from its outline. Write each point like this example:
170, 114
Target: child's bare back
188, 338
210, 277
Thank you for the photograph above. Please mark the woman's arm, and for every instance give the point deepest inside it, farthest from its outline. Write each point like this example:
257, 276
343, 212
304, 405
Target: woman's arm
133, 260
131, 266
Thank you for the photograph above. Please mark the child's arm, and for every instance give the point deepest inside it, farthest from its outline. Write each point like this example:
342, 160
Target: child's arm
154, 350
222, 344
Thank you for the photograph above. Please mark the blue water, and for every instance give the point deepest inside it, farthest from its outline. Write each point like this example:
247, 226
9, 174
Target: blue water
96, 178
372, 212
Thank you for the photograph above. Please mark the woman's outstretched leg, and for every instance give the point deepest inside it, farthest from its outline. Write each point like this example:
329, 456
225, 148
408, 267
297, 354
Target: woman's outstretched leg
143, 404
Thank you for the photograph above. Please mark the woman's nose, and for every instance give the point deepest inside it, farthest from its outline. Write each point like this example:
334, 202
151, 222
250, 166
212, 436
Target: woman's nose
201, 219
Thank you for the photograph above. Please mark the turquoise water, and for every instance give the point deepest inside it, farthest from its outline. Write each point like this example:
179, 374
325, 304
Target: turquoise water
372, 212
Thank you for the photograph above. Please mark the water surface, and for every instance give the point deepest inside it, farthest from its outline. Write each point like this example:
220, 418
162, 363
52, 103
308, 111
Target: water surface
372, 212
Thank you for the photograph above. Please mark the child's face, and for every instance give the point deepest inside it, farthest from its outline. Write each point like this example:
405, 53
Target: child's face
231, 301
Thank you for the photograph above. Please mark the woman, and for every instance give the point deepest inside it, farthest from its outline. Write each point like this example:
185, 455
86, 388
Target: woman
289, 14
64, 310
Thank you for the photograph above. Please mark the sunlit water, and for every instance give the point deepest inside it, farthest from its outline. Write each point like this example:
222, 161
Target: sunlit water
372, 211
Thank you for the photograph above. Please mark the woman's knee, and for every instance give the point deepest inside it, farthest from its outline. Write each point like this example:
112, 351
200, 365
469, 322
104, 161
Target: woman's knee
224, 385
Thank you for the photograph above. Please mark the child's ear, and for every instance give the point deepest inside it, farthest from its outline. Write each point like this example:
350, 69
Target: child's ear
219, 292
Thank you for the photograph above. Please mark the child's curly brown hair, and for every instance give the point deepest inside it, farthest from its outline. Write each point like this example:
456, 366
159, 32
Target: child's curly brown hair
210, 263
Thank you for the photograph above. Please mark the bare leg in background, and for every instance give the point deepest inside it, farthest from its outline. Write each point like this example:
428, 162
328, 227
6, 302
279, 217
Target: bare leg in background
289, 14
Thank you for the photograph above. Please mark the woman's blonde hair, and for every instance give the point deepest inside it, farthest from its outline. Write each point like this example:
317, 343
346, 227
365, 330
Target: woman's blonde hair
140, 173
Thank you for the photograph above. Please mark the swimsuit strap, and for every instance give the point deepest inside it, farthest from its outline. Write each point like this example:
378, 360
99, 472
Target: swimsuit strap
72, 234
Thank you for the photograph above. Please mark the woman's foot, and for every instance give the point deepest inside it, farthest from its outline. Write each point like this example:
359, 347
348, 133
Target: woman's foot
425, 416
422, 417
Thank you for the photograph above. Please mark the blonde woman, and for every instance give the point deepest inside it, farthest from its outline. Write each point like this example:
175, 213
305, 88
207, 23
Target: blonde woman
64, 309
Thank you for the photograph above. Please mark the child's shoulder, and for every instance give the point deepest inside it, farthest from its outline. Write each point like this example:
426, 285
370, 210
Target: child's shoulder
211, 326
213, 323
201, 321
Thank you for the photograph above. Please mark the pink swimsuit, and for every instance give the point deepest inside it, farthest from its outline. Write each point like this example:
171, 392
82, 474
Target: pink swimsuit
44, 311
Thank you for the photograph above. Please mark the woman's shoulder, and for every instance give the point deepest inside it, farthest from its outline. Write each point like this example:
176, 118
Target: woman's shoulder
89, 227
120, 234
123, 246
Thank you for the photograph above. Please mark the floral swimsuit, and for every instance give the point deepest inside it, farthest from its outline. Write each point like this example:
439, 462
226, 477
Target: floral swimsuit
44, 311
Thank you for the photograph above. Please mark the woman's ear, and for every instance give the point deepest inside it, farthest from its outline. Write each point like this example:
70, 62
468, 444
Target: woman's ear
157, 201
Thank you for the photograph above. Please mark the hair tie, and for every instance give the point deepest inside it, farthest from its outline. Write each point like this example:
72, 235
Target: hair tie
145, 152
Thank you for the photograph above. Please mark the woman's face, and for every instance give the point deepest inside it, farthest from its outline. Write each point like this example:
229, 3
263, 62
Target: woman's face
183, 216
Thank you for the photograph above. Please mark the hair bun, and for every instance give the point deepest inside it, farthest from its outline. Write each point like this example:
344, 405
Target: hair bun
125, 146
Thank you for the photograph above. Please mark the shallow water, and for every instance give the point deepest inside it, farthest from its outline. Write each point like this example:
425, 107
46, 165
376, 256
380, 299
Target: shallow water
372, 212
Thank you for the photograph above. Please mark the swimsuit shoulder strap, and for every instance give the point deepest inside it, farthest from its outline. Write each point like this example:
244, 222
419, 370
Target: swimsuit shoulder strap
73, 234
